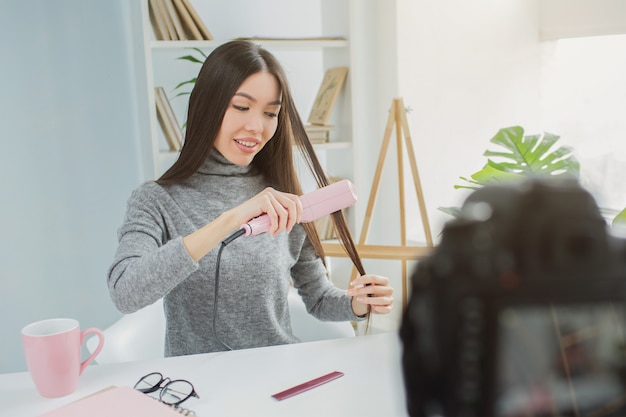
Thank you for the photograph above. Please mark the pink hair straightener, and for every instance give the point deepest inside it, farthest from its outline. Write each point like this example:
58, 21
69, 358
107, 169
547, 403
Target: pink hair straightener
316, 204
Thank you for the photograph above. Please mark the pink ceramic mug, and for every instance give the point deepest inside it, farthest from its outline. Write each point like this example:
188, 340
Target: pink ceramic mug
53, 354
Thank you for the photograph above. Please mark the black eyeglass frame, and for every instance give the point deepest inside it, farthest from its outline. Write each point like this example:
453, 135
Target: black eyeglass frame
162, 385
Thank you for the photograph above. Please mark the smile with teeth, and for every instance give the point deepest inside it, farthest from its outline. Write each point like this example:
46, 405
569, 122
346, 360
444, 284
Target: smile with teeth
246, 143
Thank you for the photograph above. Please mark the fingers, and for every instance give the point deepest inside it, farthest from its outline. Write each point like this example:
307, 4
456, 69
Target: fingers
276, 212
370, 279
293, 208
283, 209
373, 290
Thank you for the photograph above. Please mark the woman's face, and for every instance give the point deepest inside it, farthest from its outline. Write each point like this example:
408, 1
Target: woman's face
250, 120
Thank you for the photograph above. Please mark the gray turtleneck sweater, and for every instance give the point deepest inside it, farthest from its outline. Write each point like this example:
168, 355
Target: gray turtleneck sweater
255, 272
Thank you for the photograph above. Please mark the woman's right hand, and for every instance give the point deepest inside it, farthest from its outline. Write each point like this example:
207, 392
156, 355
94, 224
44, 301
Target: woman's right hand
283, 209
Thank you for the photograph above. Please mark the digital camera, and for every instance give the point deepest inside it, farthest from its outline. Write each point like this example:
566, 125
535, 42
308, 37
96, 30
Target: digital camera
520, 310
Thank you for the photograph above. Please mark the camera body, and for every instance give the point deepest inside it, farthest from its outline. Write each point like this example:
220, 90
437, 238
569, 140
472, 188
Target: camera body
519, 311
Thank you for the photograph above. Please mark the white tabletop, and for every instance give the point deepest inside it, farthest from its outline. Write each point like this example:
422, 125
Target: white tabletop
240, 383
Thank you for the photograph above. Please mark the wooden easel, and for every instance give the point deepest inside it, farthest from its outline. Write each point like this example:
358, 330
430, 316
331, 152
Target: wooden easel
403, 252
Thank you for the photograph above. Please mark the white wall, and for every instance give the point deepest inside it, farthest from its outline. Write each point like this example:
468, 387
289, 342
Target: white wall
584, 98
467, 69
68, 160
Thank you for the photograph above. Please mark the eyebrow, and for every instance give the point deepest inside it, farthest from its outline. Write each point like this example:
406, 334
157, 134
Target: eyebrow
249, 97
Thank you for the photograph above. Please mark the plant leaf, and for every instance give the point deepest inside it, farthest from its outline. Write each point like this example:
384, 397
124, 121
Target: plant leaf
526, 156
494, 173
191, 58
453, 211
620, 218
191, 81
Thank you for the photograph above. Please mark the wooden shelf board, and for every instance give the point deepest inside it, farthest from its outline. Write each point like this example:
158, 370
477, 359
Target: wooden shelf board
379, 251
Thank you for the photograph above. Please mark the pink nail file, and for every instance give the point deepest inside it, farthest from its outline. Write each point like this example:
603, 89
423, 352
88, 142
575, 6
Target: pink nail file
307, 385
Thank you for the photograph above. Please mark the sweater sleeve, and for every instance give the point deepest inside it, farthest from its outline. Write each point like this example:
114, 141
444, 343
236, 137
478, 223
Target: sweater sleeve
146, 265
322, 299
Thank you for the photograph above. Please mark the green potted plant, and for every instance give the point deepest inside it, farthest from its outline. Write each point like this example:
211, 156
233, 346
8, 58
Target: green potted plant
523, 156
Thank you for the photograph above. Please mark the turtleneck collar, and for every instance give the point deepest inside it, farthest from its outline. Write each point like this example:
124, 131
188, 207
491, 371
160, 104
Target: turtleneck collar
217, 164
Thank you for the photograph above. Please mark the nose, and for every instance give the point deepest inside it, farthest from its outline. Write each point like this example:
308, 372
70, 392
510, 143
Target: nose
254, 123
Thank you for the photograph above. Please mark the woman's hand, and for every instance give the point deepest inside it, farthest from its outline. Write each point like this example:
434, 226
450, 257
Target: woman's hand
373, 290
283, 209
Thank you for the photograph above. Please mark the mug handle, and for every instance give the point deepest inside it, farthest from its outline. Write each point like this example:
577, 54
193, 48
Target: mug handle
83, 335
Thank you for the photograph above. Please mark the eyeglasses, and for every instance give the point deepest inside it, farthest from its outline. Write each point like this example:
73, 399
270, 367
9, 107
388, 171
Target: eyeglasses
173, 392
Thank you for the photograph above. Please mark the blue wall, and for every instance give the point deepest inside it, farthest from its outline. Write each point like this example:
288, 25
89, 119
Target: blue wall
68, 161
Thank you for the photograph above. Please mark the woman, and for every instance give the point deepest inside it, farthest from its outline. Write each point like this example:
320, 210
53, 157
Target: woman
236, 164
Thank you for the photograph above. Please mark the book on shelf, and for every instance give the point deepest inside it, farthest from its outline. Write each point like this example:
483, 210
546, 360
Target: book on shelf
118, 402
318, 133
156, 19
168, 27
206, 35
167, 119
327, 95
191, 30
171, 13
176, 20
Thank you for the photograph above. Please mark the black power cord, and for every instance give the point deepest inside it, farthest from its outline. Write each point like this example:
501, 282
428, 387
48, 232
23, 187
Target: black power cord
229, 239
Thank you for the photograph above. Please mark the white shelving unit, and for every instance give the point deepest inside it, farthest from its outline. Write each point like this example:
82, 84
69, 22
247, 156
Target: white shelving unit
304, 60
358, 34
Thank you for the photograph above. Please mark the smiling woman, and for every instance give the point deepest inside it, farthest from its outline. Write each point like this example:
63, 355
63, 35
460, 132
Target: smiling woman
236, 164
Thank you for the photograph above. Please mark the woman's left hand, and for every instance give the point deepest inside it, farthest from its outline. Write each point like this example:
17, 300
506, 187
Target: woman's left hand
373, 290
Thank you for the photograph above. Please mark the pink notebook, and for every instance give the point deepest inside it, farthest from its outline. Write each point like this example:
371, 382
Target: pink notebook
118, 402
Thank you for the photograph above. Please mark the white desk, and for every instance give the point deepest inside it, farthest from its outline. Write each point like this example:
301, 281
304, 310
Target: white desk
240, 383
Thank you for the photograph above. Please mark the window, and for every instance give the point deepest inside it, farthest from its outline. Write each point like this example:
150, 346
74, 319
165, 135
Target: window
584, 101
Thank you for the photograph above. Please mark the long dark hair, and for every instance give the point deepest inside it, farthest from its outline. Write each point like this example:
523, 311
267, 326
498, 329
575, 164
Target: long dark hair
224, 70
